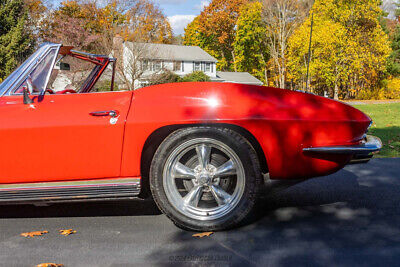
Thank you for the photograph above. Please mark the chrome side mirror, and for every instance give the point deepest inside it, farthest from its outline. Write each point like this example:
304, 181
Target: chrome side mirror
28, 90
27, 99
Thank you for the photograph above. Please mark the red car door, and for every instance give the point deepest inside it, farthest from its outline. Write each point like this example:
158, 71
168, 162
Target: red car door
63, 137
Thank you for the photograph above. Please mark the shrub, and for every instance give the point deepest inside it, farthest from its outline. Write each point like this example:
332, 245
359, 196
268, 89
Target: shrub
390, 90
393, 89
104, 86
166, 76
197, 76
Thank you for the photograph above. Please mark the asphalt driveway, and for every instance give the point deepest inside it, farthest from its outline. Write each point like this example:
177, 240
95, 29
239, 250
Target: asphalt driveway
351, 218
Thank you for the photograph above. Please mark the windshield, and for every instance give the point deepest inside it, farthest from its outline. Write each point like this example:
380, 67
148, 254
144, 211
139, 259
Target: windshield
22, 70
13, 76
75, 74
39, 76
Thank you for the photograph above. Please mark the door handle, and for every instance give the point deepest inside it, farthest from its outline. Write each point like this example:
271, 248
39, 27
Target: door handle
111, 113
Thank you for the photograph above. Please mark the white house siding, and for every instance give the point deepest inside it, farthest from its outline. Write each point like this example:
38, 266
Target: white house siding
187, 55
188, 67
61, 81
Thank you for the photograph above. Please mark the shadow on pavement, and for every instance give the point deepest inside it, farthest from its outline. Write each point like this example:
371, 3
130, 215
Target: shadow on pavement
89, 209
350, 218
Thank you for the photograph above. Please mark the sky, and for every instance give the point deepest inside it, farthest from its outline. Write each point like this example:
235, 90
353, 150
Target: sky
390, 6
181, 12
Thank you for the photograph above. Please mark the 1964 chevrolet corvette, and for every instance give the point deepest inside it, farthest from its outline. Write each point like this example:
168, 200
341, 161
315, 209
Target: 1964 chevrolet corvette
200, 149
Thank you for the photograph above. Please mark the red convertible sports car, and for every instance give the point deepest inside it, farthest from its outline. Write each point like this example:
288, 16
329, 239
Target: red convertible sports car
200, 149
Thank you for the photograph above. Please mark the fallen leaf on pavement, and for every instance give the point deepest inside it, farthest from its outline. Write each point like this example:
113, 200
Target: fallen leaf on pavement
203, 234
67, 232
49, 265
32, 234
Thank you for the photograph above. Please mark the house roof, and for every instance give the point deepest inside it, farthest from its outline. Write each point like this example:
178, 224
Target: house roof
239, 77
172, 52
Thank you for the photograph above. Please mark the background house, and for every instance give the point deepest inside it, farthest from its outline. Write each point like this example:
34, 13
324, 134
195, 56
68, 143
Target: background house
238, 77
142, 60
137, 63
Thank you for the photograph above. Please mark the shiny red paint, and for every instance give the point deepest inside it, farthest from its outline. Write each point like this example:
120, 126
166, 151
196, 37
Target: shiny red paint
284, 122
56, 138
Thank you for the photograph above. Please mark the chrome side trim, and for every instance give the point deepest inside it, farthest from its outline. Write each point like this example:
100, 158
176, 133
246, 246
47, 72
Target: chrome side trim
372, 144
70, 191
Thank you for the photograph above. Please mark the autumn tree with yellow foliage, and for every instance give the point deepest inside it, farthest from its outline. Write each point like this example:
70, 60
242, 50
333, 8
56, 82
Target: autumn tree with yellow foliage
147, 23
281, 19
214, 30
349, 48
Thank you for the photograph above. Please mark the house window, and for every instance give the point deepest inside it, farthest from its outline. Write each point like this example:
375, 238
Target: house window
197, 66
143, 84
145, 65
157, 65
177, 66
207, 67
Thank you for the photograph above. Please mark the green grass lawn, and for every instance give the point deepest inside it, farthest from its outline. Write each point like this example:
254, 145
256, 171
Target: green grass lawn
386, 125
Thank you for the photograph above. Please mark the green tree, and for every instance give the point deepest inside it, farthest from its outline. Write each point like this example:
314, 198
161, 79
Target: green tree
16, 41
394, 59
393, 65
250, 42
349, 48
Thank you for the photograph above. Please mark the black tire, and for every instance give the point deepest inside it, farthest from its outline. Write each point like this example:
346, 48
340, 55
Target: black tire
244, 151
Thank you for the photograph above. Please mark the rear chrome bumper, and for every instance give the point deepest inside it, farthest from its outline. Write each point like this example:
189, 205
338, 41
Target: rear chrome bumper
361, 153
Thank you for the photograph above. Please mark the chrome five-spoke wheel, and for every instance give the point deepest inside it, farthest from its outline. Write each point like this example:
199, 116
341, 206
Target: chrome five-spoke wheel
204, 179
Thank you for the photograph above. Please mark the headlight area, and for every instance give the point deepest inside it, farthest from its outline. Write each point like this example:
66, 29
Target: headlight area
364, 138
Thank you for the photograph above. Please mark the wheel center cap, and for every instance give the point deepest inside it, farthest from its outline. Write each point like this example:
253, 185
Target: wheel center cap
204, 179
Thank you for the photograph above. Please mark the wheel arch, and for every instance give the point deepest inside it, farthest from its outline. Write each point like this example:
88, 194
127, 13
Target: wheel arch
158, 136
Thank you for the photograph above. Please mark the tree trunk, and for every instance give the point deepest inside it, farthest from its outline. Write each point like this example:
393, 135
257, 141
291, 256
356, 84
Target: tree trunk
234, 61
282, 80
336, 92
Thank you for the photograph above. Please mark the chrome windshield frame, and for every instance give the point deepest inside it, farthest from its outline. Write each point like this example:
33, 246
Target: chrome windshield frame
22, 72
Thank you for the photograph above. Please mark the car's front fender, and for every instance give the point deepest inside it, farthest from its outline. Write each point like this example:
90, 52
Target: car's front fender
283, 122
